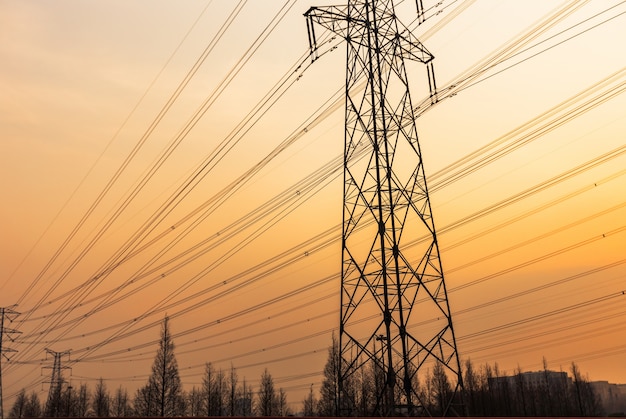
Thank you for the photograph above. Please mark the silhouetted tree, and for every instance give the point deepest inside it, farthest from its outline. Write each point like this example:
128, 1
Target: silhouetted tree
545, 393
120, 403
540, 394
232, 391
246, 403
308, 404
80, 401
70, 402
475, 390
471, 388
441, 390
213, 386
282, 408
165, 379
19, 405
329, 392
503, 393
145, 401
101, 403
194, 402
368, 383
588, 403
32, 409
267, 400
182, 407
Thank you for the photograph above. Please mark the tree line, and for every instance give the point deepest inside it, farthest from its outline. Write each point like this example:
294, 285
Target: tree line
490, 392
487, 391
220, 394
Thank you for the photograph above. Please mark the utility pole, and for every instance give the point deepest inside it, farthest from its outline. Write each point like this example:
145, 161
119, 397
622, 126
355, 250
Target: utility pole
392, 283
7, 315
53, 404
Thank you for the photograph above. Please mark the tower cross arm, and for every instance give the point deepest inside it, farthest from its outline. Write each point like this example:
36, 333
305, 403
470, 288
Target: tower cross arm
411, 48
338, 20
333, 18
4, 352
7, 330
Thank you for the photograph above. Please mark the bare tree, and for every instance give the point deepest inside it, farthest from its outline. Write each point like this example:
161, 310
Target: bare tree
165, 378
32, 409
73, 403
101, 400
120, 404
521, 392
194, 402
266, 397
282, 408
145, 401
19, 405
246, 401
81, 398
367, 383
182, 406
471, 389
587, 400
329, 392
308, 404
441, 390
213, 386
232, 391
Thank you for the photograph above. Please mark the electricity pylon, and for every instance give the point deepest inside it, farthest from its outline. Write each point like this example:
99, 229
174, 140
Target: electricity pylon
7, 315
395, 316
53, 404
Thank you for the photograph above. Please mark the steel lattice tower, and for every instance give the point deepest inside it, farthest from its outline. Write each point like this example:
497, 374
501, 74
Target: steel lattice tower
56, 384
395, 314
7, 315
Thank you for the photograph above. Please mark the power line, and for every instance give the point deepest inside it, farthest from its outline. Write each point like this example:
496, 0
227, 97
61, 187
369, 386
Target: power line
445, 228
472, 164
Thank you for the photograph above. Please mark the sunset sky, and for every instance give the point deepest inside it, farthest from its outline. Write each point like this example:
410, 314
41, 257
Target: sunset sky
180, 158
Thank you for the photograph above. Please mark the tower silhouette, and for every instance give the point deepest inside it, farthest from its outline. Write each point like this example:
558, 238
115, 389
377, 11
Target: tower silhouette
395, 316
7, 315
53, 404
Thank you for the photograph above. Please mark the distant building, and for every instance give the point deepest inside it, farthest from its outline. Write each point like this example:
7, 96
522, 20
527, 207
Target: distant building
612, 396
535, 379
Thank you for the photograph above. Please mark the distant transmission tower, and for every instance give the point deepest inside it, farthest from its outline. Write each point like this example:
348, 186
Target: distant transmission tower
7, 315
53, 405
395, 316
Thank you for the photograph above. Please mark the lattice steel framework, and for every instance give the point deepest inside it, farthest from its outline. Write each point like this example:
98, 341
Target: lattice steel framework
53, 403
395, 314
7, 315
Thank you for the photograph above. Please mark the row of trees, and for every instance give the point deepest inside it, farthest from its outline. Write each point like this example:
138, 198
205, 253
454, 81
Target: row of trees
487, 392
364, 394
74, 402
221, 394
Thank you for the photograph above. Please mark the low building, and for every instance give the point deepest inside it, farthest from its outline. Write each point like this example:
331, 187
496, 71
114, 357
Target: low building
612, 396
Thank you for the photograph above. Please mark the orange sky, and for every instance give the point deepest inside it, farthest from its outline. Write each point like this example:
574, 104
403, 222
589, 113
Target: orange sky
254, 285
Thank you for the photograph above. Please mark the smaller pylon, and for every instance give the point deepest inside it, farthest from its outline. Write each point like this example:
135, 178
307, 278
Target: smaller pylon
7, 314
53, 405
